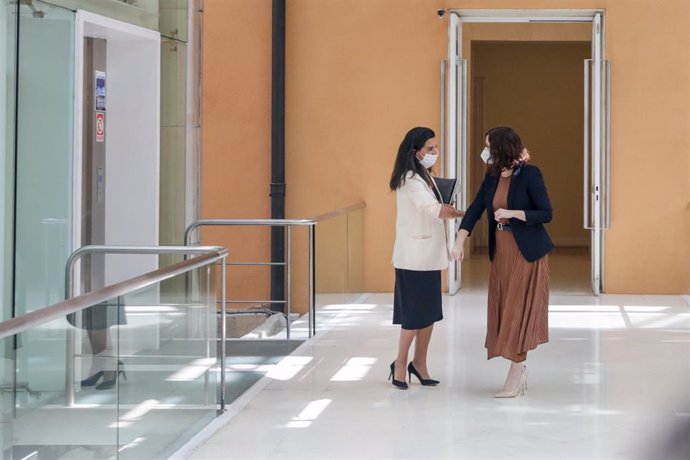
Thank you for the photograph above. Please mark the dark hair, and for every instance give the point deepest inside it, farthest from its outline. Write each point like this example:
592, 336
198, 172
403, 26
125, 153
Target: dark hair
506, 148
405, 161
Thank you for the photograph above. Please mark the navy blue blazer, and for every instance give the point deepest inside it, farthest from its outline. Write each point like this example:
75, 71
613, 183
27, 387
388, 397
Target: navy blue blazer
527, 193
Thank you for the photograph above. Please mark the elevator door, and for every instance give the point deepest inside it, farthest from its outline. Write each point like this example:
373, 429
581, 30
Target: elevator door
93, 161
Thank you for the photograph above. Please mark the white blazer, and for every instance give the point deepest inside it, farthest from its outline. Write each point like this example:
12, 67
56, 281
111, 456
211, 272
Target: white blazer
420, 235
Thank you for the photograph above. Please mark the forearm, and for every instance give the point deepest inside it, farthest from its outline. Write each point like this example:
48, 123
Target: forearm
462, 236
449, 212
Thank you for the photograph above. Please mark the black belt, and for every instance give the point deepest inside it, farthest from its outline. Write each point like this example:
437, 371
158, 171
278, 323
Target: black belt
503, 227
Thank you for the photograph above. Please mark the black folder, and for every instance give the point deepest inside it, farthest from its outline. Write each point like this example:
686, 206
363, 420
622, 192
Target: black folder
447, 187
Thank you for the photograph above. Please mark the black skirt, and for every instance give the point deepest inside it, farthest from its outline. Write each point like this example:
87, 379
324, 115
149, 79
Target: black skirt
417, 298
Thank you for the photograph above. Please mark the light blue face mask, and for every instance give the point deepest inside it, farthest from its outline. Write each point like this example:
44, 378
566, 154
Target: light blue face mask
486, 156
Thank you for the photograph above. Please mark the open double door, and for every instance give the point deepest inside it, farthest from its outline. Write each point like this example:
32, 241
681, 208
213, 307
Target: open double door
596, 215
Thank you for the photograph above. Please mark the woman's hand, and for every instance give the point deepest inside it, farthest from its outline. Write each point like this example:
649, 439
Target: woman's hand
507, 214
449, 212
458, 251
504, 214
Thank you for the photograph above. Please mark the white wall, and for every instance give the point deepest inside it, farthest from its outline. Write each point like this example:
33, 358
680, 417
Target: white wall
132, 140
132, 153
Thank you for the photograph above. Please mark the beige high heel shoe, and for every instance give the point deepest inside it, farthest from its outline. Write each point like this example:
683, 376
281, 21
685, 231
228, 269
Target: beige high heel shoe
519, 389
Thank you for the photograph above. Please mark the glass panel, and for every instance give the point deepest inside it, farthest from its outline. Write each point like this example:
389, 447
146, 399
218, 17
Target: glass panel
145, 372
173, 159
45, 111
331, 261
355, 254
44, 155
597, 177
8, 44
167, 347
39, 427
339, 264
173, 19
8, 49
143, 13
606, 144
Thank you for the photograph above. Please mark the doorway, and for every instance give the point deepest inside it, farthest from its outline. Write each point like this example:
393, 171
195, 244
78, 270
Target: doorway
548, 114
503, 62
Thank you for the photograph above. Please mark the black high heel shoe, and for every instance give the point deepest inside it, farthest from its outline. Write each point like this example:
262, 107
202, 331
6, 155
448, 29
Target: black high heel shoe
107, 384
91, 381
426, 382
396, 383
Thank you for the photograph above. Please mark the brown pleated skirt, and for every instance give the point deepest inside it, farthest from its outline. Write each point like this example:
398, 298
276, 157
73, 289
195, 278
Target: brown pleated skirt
518, 313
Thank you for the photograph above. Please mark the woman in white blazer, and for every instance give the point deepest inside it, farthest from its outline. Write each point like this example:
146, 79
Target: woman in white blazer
419, 254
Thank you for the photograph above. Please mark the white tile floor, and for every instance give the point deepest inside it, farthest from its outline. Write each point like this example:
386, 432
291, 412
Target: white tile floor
612, 383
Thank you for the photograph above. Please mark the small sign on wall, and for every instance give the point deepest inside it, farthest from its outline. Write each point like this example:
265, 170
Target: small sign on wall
100, 126
100, 91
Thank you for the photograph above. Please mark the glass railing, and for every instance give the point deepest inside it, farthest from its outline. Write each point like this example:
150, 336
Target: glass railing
323, 263
132, 370
140, 359
340, 259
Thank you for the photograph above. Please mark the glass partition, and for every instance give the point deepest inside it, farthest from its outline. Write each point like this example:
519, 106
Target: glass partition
146, 376
339, 262
43, 200
144, 13
45, 144
8, 50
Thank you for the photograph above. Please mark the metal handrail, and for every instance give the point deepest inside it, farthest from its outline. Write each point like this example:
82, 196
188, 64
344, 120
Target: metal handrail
270, 222
140, 250
35, 318
115, 249
288, 223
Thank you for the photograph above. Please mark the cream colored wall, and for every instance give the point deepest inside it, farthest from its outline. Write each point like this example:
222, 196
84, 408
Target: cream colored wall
537, 89
360, 73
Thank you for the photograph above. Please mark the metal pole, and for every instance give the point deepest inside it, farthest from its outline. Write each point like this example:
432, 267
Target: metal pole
442, 125
278, 149
288, 273
69, 372
71, 339
223, 333
312, 283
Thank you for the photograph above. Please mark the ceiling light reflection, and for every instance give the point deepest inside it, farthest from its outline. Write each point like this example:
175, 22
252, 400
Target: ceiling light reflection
584, 308
192, 371
355, 369
288, 367
309, 414
645, 309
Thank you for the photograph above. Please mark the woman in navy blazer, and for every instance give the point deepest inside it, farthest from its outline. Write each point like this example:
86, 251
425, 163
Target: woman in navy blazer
517, 204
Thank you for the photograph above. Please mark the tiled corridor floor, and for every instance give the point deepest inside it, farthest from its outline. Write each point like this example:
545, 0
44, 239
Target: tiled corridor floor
612, 383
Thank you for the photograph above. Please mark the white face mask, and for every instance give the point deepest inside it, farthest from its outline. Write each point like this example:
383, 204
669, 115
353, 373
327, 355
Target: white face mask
486, 156
428, 161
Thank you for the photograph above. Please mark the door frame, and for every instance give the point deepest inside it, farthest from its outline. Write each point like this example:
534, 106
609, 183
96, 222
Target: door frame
597, 145
88, 24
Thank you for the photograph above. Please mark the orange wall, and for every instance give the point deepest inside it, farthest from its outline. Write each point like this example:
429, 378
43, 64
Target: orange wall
236, 143
362, 72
